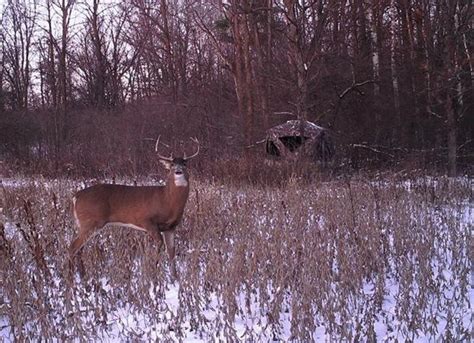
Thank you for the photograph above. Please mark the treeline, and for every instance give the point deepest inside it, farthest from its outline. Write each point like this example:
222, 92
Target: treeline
384, 75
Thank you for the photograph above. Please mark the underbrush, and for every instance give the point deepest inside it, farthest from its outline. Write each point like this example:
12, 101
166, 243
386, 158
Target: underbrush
349, 260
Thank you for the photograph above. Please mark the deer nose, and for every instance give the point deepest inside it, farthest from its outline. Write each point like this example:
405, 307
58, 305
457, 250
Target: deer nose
179, 172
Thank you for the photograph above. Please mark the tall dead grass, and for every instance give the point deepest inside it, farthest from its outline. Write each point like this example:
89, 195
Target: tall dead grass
334, 254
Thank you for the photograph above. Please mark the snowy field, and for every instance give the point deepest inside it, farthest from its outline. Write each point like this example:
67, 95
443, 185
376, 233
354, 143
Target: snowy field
360, 260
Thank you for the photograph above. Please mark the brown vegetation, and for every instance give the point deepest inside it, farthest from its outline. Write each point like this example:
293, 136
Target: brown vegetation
85, 89
325, 253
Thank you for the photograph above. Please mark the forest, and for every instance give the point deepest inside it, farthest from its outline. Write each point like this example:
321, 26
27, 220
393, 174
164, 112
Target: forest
372, 244
391, 79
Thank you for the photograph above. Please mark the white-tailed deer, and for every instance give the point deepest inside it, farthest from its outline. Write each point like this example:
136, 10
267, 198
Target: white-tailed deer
154, 209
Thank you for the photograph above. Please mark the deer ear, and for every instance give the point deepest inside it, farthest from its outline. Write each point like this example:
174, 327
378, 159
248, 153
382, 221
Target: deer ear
166, 164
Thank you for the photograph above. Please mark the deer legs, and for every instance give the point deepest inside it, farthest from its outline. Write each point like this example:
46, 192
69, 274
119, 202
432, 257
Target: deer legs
155, 234
88, 228
166, 238
169, 243
170, 249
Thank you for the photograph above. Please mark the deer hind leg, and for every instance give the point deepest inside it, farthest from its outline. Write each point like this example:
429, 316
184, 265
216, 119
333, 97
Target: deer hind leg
86, 230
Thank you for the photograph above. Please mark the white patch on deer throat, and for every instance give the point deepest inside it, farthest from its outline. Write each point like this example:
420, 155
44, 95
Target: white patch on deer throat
180, 180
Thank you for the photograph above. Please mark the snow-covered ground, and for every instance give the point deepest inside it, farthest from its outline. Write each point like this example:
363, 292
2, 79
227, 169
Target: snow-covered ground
377, 310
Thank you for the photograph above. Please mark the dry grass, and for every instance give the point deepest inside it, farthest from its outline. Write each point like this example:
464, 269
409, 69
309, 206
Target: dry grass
332, 254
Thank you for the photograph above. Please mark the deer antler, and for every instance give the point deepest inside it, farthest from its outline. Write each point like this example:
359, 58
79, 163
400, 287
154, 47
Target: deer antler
161, 157
195, 140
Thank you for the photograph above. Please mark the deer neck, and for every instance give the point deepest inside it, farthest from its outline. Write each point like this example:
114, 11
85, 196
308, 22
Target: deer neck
177, 189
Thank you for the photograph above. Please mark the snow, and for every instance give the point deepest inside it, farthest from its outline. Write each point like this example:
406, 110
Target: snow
251, 322
129, 319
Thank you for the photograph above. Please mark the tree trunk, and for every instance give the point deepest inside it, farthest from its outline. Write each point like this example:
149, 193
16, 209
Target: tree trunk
374, 15
450, 85
296, 58
393, 66
451, 131
240, 69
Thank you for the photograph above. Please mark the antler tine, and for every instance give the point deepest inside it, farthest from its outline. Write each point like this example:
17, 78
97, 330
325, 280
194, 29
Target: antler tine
161, 157
195, 140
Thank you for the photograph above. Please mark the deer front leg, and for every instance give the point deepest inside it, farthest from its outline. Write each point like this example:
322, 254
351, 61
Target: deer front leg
169, 243
155, 234
170, 249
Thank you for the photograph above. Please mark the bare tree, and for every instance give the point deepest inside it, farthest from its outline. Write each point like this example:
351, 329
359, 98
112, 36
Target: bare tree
122, 55
54, 52
162, 35
19, 24
95, 47
393, 64
267, 57
306, 24
231, 39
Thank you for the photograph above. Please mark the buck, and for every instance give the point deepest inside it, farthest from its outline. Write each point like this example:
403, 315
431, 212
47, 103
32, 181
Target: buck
154, 209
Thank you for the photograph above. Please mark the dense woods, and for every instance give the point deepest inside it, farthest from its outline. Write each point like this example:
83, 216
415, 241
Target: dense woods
372, 242
392, 79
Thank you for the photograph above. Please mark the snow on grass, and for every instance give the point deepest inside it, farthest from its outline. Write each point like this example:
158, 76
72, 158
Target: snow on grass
390, 304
